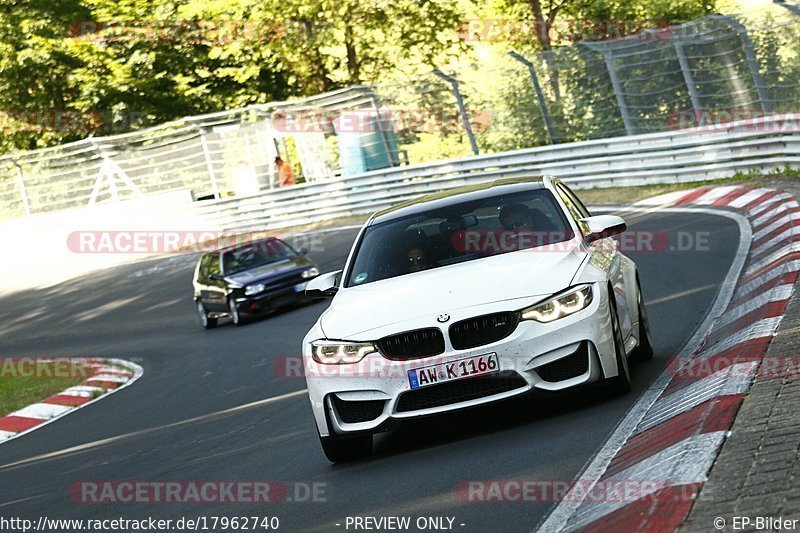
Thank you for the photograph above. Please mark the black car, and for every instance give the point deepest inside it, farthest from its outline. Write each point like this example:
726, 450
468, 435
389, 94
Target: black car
248, 280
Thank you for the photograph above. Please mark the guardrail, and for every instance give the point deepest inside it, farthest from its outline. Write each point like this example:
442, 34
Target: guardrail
681, 156
762, 144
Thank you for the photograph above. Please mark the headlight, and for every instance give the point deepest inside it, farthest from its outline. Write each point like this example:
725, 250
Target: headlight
565, 304
310, 273
340, 352
254, 289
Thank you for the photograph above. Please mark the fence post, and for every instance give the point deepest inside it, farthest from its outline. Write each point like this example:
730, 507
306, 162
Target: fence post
752, 60
209, 164
110, 171
688, 78
539, 95
22, 191
608, 57
461, 108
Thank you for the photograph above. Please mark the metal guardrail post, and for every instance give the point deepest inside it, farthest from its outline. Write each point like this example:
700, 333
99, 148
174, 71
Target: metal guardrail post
539, 95
608, 57
462, 109
209, 164
22, 191
688, 77
752, 60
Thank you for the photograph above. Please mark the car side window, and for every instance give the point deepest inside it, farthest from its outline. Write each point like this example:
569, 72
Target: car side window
202, 273
213, 264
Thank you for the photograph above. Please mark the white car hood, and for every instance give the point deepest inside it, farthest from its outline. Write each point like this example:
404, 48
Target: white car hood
527, 274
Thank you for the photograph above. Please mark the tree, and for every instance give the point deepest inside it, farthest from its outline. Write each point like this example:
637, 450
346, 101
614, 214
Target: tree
35, 72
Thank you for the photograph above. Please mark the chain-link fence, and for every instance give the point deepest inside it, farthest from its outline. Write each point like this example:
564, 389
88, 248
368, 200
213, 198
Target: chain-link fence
211, 156
700, 74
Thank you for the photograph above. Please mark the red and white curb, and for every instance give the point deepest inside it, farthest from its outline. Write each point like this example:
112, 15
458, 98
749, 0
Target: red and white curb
105, 376
672, 436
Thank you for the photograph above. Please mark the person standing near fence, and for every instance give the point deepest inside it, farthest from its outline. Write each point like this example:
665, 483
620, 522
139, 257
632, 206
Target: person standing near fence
285, 174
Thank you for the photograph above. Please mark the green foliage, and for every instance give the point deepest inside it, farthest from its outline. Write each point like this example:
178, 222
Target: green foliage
130, 63
124, 64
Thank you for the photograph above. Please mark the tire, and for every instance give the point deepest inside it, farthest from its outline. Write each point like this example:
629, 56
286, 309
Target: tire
205, 321
644, 350
621, 383
342, 449
236, 317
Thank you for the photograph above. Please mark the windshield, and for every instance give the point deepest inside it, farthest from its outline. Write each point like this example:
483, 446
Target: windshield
458, 233
254, 255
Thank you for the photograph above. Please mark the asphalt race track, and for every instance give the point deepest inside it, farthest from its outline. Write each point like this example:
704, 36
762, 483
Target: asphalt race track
178, 422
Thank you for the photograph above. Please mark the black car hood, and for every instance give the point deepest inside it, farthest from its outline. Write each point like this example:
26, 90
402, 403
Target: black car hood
271, 271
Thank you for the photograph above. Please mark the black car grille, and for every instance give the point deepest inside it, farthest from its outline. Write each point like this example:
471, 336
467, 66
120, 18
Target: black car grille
460, 390
284, 283
568, 367
412, 344
352, 412
482, 330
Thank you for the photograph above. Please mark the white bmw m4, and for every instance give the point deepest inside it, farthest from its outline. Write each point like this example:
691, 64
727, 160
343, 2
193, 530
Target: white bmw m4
466, 297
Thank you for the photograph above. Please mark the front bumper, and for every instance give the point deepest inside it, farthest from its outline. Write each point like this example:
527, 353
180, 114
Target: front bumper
269, 300
563, 354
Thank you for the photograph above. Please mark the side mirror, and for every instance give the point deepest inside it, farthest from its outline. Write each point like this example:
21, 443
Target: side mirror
324, 286
302, 251
602, 226
216, 277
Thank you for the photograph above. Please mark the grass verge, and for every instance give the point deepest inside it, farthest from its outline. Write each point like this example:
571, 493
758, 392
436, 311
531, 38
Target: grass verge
27, 380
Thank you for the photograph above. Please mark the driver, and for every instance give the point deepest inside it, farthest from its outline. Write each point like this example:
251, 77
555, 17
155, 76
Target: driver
418, 258
418, 253
516, 217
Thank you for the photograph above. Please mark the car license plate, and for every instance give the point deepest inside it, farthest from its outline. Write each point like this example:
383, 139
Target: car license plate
300, 287
450, 370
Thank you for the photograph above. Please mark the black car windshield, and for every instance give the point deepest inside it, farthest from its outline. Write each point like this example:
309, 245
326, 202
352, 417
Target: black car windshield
255, 254
457, 233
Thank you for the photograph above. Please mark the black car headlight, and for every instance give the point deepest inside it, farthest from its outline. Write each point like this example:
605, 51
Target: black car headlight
340, 352
565, 304
254, 289
310, 273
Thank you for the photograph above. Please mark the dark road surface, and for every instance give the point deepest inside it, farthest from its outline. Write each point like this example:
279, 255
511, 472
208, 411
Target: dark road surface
189, 418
